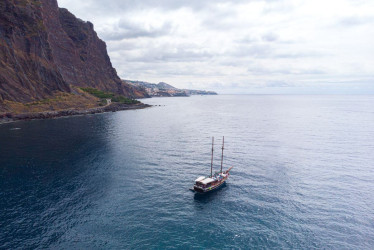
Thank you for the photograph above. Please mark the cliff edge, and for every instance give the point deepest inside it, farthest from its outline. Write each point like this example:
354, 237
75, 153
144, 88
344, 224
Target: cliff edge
45, 51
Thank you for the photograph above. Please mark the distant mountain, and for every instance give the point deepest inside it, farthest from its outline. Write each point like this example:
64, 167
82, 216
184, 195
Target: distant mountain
46, 50
164, 89
141, 84
164, 85
199, 92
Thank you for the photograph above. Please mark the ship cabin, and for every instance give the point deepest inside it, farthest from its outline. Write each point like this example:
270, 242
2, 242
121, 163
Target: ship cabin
204, 182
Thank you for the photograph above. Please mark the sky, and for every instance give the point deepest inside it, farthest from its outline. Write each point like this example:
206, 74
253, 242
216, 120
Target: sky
239, 47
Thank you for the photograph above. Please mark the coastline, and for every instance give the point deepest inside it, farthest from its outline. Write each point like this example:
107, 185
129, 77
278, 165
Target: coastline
113, 107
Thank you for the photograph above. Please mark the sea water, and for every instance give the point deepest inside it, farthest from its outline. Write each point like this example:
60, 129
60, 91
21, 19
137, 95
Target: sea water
303, 176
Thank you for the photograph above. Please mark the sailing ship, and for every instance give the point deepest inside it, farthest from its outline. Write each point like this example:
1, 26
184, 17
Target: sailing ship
205, 184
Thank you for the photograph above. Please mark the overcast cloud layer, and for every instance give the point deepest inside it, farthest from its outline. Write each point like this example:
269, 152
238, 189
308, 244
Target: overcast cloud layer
269, 46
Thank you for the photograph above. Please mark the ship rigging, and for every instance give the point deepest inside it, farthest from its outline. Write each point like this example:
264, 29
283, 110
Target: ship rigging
205, 184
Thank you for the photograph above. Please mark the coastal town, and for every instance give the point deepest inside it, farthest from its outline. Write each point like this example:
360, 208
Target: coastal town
163, 89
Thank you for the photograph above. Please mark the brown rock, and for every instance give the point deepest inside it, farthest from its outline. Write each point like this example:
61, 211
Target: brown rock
45, 49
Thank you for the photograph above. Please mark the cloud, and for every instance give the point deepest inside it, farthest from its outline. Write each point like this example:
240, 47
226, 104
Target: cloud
356, 20
264, 69
248, 39
270, 37
127, 29
278, 84
245, 44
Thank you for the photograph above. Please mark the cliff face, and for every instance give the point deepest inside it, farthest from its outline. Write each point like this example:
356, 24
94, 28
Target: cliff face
45, 49
27, 68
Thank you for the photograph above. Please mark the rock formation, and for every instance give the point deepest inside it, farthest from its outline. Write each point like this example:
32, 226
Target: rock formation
45, 49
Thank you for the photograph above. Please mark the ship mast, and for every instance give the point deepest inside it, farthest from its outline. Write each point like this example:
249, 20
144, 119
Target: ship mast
211, 164
223, 144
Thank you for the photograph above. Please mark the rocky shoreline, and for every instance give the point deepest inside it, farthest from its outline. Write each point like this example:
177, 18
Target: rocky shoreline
113, 107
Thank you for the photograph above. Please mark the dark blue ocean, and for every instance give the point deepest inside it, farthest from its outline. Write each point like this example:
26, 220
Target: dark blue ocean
303, 176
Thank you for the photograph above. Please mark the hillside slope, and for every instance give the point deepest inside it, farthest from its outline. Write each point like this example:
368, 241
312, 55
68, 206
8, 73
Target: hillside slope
46, 50
164, 89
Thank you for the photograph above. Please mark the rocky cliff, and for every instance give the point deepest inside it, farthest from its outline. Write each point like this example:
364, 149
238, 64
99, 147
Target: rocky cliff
45, 50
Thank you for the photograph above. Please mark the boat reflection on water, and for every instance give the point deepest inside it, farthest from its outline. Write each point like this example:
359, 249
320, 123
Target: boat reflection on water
206, 197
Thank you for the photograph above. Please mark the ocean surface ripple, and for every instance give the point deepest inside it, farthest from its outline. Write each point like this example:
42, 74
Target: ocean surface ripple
303, 176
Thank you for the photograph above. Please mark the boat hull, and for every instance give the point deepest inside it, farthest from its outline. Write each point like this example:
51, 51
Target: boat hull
200, 189
207, 190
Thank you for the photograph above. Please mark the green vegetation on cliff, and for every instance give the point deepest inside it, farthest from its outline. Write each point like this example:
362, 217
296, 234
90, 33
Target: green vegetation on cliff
107, 95
46, 51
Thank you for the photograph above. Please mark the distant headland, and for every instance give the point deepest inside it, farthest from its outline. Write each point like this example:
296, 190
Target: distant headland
166, 90
54, 64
